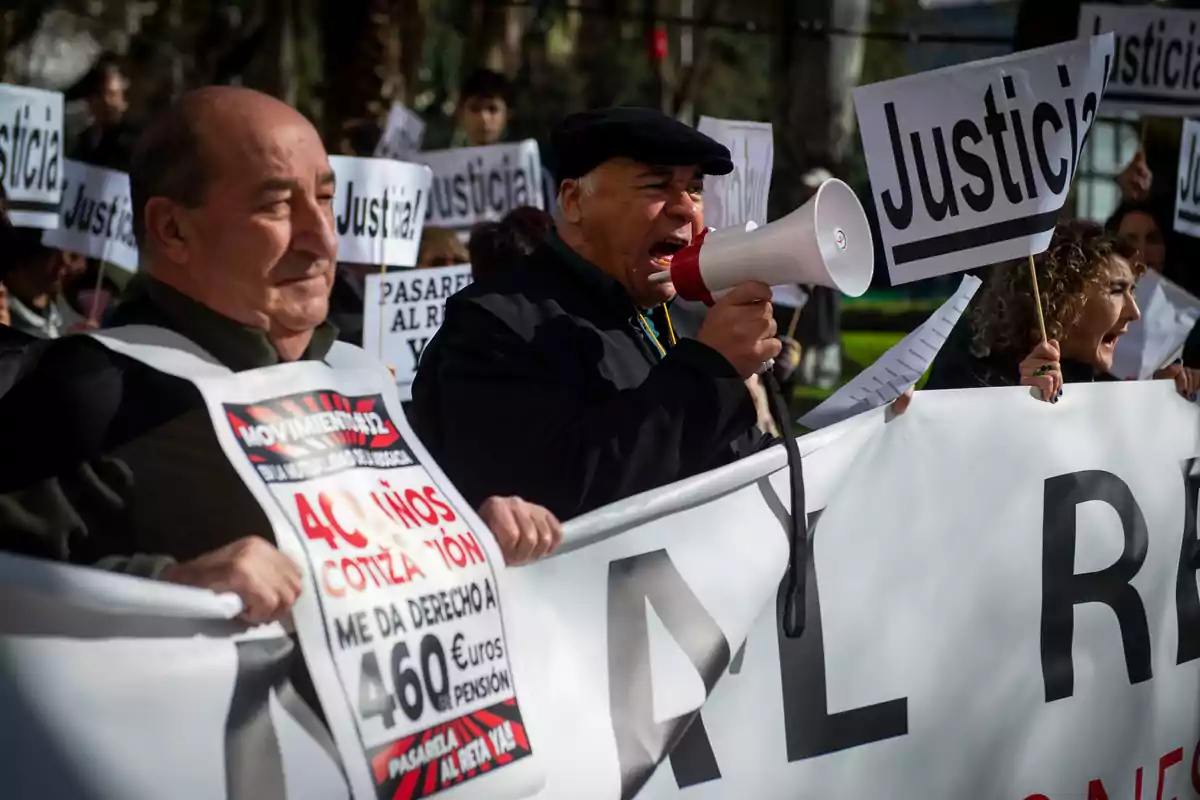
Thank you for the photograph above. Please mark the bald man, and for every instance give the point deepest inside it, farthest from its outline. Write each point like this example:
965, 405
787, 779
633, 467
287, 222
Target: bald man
106, 461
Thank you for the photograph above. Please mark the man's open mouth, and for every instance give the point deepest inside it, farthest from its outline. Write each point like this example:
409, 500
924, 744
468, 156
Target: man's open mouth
664, 250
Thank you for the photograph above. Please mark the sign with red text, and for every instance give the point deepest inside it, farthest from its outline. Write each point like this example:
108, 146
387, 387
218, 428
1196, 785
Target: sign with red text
970, 165
400, 620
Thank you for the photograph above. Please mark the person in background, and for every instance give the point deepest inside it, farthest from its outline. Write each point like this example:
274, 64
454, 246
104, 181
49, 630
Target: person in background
1086, 278
440, 247
485, 100
495, 245
1145, 224
109, 138
36, 276
17, 350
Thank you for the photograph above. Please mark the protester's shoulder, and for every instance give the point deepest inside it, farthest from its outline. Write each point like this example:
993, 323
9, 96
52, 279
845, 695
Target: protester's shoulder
527, 289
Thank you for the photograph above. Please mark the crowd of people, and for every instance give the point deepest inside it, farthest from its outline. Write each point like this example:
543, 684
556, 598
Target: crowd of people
563, 378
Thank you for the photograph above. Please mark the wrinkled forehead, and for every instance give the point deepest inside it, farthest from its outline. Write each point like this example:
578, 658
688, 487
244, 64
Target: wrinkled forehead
251, 152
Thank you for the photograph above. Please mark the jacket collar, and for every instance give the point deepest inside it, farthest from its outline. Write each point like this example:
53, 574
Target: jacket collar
601, 286
237, 346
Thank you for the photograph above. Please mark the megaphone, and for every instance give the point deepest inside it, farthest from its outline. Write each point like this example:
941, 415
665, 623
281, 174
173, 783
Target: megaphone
826, 242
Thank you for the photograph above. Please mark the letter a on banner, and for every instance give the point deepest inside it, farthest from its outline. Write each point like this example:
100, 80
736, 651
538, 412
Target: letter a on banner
970, 165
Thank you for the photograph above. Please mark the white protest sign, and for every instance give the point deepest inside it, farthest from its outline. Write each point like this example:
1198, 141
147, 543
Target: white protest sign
379, 210
31, 154
740, 196
400, 617
412, 305
403, 135
97, 216
970, 165
477, 184
1187, 199
1169, 313
1156, 59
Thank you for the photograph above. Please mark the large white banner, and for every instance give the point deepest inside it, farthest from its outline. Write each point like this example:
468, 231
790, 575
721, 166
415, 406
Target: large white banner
379, 210
401, 313
1187, 197
31, 154
1156, 63
1021, 625
740, 196
971, 164
477, 184
97, 216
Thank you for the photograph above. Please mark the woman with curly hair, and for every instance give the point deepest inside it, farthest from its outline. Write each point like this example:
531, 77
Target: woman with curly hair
1086, 278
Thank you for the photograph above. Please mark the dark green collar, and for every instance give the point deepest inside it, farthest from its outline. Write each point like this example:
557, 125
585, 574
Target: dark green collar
235, 345
599, 283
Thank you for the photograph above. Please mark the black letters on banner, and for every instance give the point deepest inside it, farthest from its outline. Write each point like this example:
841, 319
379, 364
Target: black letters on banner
1062, 589
1187, 599
809, 728
641, 742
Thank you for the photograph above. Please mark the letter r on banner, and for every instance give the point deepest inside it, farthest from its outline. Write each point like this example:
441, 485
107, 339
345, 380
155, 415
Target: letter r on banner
1062, 589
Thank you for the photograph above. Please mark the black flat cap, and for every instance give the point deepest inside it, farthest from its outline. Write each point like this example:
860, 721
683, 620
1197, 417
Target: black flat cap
584, 141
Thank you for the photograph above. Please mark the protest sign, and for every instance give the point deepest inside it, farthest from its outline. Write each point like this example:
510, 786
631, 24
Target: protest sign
379, 210
1187, 197
403, 135
476, 184
97, 216
408, 308
970, 165
400, 619
1156, 57
740, 196
31, 154
1169, 313
1025, 625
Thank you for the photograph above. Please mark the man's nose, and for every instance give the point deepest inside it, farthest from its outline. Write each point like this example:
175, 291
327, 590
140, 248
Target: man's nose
312, 230
684, 208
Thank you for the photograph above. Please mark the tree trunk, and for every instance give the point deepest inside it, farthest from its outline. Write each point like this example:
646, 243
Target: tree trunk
362, 69
813, 115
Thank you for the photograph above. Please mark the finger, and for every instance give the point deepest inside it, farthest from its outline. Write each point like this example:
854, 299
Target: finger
1044, 384
1036, 367
901, 403
1170, 372
1047, 351
545, 537
556, 531
772, 329
748, 292
498, 516
528, 538
767, 349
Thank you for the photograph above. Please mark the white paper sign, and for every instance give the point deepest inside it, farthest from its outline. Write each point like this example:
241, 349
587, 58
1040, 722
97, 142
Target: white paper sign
379, 207
1187, 198
970, 165
97, 216
897, 369
412, 307
1156, 61
1168, 315
740, 196
477, 184
31, 154
403, 136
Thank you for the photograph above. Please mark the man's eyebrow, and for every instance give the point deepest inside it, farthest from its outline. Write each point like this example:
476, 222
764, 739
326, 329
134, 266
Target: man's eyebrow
327, 178
278, 185
657, 172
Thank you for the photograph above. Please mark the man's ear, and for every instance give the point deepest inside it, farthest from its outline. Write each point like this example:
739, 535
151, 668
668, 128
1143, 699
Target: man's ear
569, 196
166, 231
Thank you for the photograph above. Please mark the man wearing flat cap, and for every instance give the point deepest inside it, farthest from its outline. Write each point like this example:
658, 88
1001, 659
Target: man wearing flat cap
572, 379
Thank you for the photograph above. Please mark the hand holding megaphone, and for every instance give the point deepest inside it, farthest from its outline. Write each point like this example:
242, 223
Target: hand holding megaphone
741, 326
826, 242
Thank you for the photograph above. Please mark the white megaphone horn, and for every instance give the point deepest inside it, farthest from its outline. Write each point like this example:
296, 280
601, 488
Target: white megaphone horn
826, 242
